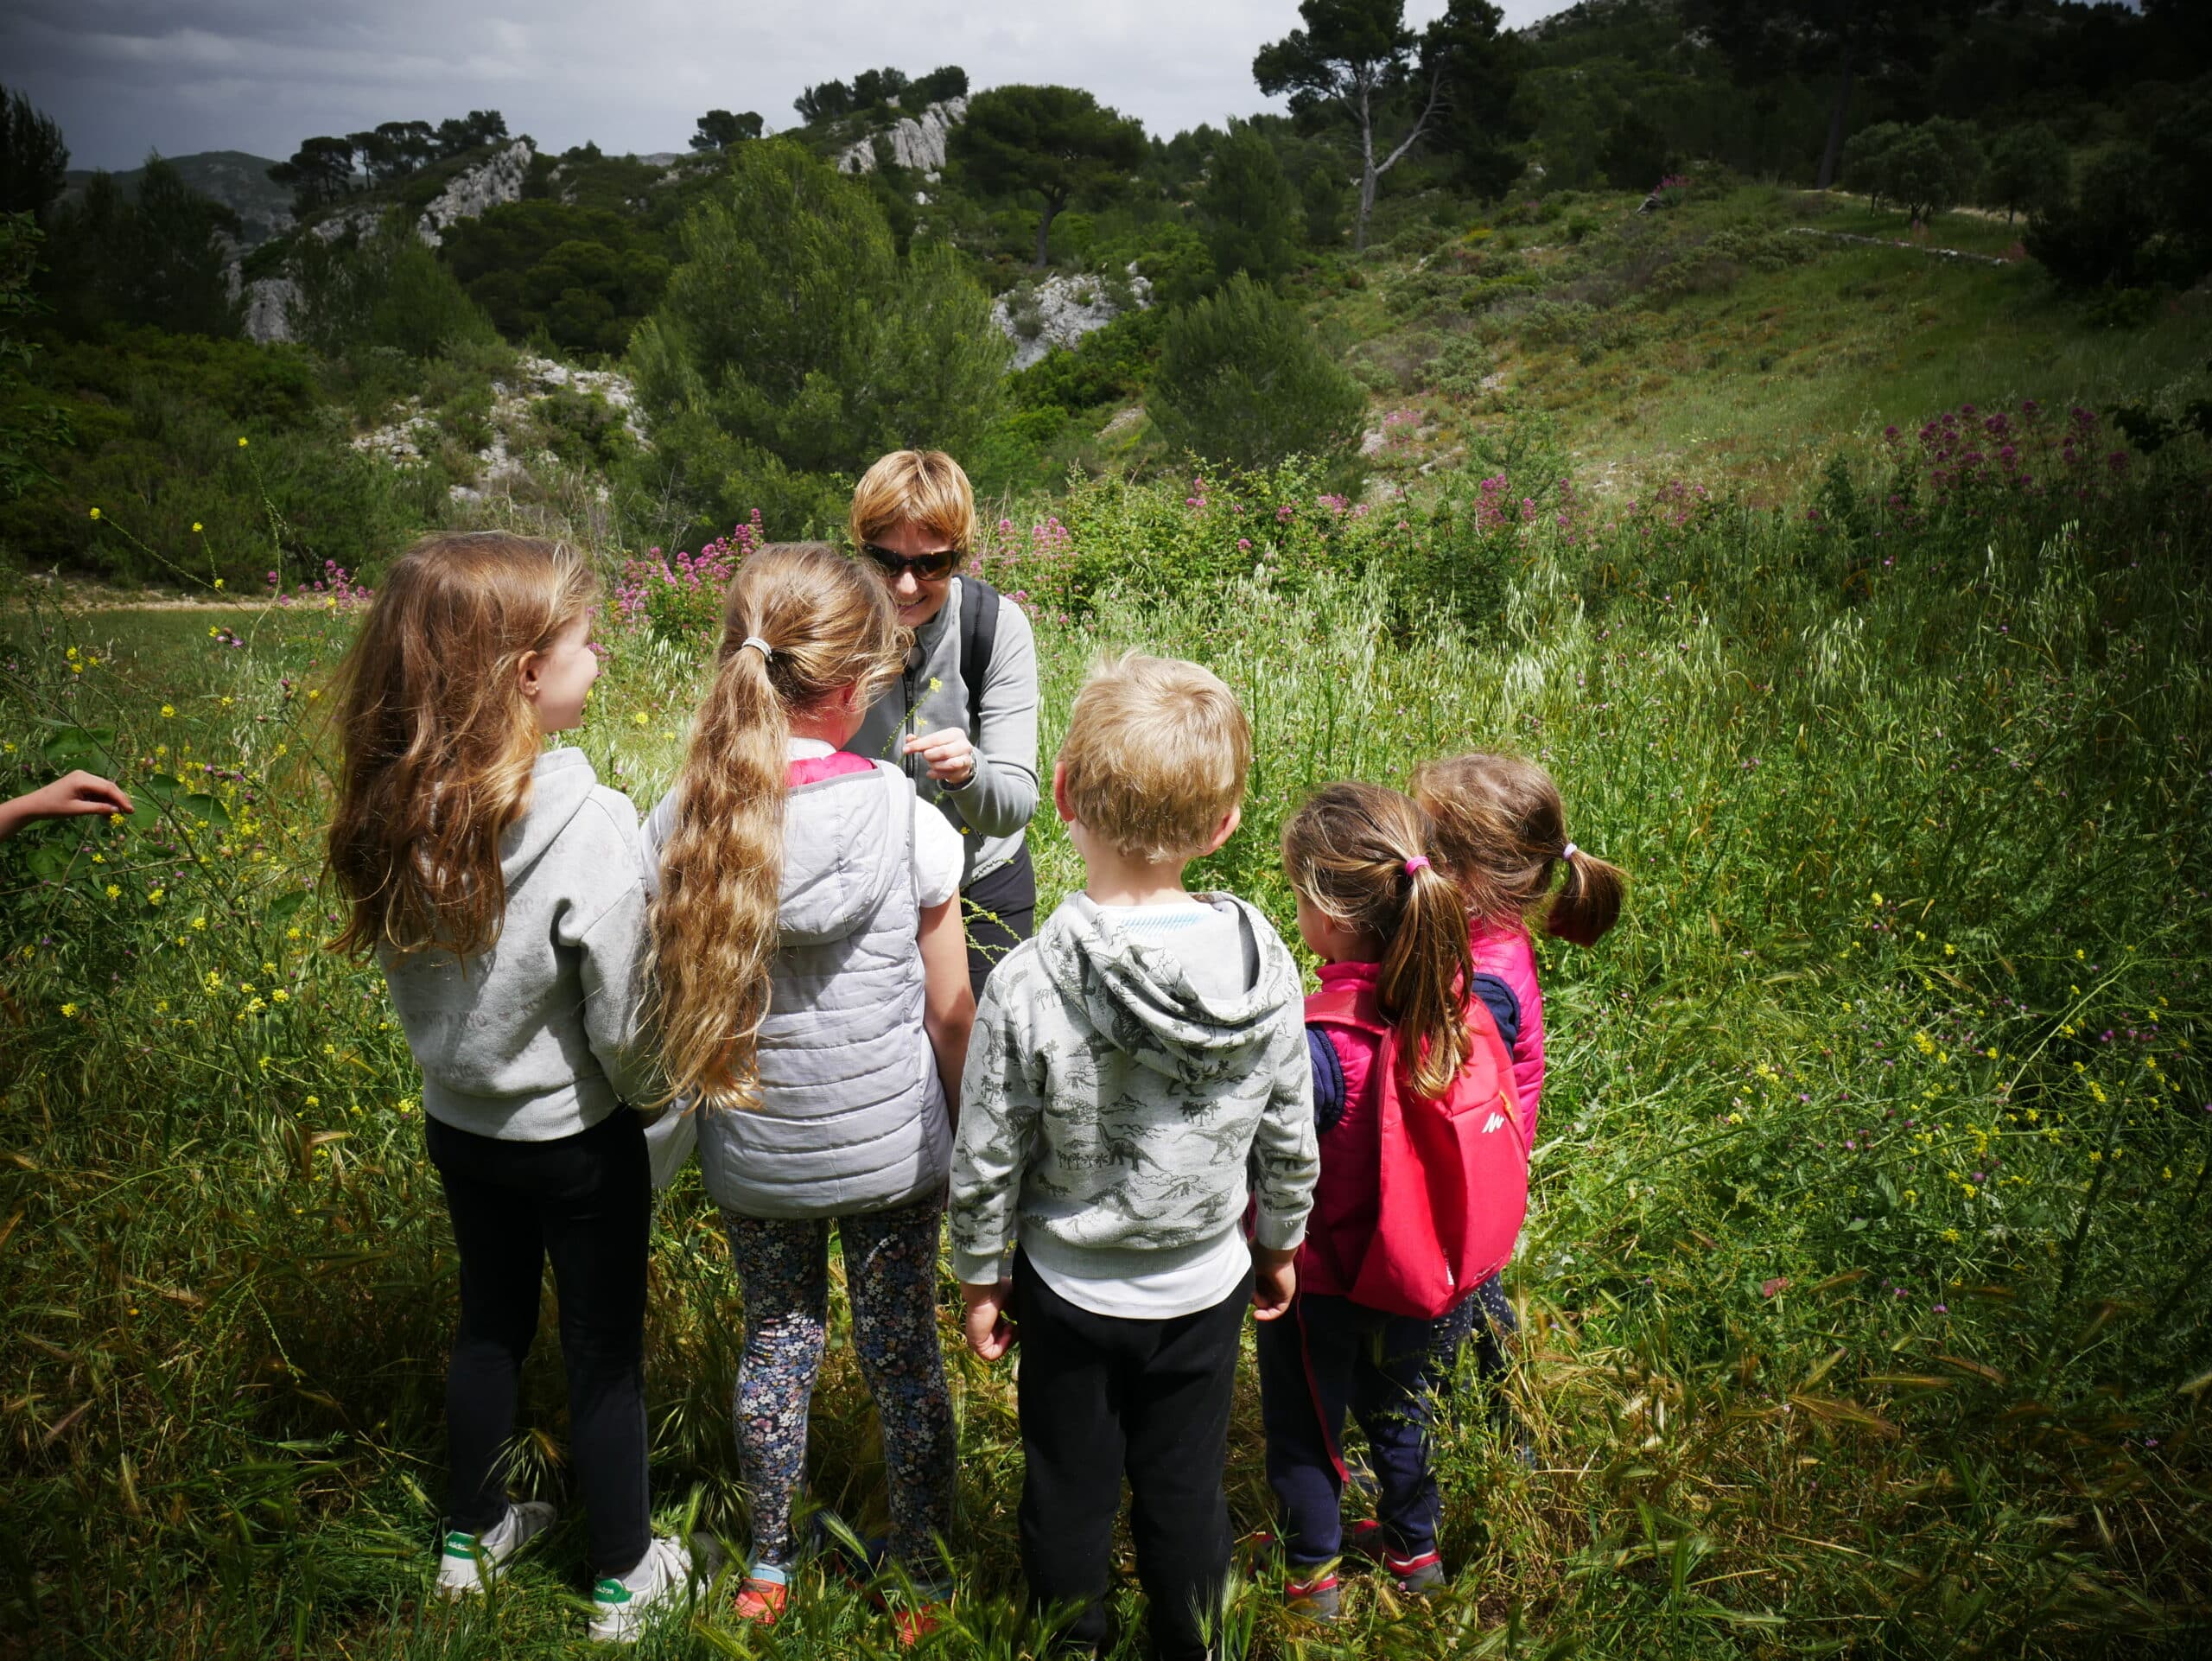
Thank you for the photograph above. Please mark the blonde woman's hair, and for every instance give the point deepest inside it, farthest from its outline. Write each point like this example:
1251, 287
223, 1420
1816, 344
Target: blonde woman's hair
826, 623
438, 741
1503, 831
923, 488
1155, 756
1367, 858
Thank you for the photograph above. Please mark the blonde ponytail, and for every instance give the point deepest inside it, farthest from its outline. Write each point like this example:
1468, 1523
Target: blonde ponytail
800, 622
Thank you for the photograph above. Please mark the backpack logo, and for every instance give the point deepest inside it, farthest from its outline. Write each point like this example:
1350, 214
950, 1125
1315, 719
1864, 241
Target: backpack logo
1492, 1123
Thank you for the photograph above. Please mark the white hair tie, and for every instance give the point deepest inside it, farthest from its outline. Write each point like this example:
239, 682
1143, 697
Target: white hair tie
1569, 851
759, 644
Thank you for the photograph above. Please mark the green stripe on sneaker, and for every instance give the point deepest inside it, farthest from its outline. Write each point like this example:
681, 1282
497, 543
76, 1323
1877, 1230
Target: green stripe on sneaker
611, 1590
461, 1545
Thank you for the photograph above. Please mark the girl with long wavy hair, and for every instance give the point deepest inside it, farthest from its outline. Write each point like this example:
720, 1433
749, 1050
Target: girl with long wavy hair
810, 990
498, 886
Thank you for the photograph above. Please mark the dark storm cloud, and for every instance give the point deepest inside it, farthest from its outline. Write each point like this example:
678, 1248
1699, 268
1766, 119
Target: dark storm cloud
126, 76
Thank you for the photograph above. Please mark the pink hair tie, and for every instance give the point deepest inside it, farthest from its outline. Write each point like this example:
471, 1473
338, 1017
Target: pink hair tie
1418, 863
1569, 851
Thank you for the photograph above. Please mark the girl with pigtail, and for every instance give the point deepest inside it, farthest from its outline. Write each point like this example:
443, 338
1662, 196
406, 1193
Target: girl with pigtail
1414, 1202
1501, 830
809, 984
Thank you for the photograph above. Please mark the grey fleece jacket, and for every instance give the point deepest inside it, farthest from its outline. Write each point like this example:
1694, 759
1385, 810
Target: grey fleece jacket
536, 1039
1113, 1118
992, 809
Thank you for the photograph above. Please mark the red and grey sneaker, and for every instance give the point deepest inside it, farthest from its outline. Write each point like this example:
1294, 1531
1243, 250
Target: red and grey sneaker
1362, 1541
1416, 1576
1319, 1599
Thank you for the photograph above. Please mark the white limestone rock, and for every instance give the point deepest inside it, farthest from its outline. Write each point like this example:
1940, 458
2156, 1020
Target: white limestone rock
917, 141
1041, 317
269, 303
492, 182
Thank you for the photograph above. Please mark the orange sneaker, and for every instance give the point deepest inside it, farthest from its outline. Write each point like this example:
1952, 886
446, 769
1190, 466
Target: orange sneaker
761, 1601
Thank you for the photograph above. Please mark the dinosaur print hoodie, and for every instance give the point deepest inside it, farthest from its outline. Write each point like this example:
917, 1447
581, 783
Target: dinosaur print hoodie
1116, 1121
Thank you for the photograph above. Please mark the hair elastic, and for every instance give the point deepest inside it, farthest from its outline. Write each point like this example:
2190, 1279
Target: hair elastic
760, 646
1418, 863
1569, 851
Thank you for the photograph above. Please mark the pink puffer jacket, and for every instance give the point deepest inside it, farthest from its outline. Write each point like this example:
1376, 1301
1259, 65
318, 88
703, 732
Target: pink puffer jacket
1505, 950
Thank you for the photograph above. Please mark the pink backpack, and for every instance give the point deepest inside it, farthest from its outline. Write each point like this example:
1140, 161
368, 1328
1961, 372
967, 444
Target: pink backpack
1454, 1169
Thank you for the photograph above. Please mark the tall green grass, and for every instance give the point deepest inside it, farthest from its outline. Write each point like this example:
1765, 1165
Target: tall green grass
1864, 1290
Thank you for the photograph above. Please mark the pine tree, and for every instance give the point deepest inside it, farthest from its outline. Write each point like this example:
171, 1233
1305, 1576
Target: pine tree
1243, 380
1251, 211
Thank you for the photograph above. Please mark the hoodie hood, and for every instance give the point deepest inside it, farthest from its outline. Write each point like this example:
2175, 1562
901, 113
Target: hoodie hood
838, 863
1138, 1000
560, 785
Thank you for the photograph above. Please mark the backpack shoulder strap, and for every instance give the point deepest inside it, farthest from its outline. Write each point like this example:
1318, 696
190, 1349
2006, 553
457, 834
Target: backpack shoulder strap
979, 636
1345, 1006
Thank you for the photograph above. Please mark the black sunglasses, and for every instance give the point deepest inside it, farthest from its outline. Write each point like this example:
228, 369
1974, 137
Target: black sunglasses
929, 568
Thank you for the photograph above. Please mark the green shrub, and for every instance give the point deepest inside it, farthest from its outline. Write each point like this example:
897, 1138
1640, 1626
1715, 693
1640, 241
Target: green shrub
1244, 380
795, 345
385, 291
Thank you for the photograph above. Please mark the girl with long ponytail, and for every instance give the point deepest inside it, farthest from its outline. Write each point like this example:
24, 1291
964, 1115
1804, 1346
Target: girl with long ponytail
1401, 1057
1501, 829
811, 991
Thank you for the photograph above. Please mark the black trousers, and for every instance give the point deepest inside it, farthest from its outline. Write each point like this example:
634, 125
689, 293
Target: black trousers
1001, 913
1101, 1396
1329, 1356
585, 1202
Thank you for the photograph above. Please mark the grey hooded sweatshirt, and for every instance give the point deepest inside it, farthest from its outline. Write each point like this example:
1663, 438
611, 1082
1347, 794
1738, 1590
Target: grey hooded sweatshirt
1113, 1118
993, 809
536, 1038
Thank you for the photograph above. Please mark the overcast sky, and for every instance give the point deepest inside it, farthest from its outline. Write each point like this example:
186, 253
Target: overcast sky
126, 76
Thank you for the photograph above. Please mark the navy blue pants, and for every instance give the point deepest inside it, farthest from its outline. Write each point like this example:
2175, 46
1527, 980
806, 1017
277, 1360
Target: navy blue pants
1485, 1316
1329, 1356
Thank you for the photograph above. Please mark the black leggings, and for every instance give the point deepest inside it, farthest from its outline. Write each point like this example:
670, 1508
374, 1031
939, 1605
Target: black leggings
1001, 912
585, 1202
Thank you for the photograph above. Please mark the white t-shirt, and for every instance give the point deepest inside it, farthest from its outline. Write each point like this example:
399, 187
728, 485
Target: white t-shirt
1221, 960
937, 844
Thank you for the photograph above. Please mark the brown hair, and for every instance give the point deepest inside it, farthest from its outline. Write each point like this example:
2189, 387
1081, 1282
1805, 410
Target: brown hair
923, 488
1503, 829
1155, 756
439, 743
1366, 857
827, 623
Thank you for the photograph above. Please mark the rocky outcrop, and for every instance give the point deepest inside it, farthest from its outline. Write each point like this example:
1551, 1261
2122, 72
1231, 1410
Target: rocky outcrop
917, 141
497, 180
1040, 317
268, 315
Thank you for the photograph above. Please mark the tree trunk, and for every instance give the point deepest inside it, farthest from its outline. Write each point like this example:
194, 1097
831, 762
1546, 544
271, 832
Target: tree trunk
1044, 232
1366, 172
1829, 156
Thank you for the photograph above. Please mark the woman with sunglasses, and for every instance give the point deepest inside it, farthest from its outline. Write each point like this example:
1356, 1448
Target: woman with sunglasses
962, 718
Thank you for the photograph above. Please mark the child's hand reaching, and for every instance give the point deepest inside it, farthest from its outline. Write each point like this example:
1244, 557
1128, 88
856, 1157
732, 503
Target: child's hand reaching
991, 1334
1274, 1283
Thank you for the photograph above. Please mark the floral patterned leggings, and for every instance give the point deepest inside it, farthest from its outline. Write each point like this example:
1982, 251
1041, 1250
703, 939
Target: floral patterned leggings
891, 1279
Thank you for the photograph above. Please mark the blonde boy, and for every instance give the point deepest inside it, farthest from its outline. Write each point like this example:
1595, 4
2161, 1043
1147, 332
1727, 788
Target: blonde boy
1137, 1073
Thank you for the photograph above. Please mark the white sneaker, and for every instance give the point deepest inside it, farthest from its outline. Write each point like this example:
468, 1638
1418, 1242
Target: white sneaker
468, 1560
620, 1607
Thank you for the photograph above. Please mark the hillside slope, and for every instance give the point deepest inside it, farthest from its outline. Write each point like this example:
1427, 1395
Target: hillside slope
237, 179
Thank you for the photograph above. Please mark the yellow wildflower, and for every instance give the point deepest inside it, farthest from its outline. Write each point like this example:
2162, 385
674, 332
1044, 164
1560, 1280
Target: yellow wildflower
68, 1008
167, 710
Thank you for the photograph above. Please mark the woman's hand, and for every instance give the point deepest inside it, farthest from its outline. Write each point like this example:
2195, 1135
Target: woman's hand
951, 758
68, 797
991, 1334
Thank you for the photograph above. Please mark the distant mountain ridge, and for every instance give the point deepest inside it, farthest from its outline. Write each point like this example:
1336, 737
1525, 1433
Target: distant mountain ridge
237, 179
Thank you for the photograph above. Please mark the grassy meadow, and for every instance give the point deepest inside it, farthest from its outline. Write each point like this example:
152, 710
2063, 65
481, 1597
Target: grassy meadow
1864, 1291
